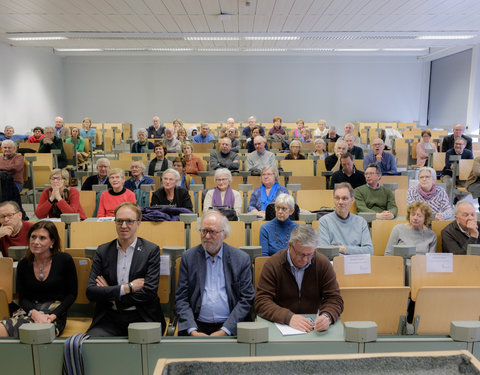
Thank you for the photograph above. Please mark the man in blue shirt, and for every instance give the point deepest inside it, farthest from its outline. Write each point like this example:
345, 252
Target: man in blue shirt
203, 137
252, 122
9, 134
385, 160
215, 289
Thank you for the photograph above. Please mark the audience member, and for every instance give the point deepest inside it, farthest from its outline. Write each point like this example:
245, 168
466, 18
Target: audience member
299, 281
103, 168
223, 196
348, 173
123, 282
82, 156
172, 143
462, 231
250, 144
157, 129
52, 142
349, 131
12, 163
473, 181
182, 135
321, 130
298, 131
59, 198
295, 153
306, 136
204, 136
9, 133
332, 161
416, 232
267, 192
277, 131
170, 194
372, 197
215, 289
179, 164
194, 163
111, 198
177, 125
356, 151
46, 282
61, 130
232, 133
435, 196
342, 228
143, 144
423, 146
37, 135
332, 135
459, 149
225, 157
252, 122
137, 168
319, 145
449, 141
87, 132
13, 230
385, 160
160, 163
274, 235
260, 158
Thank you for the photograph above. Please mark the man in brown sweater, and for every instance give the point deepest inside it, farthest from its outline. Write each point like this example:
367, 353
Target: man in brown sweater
299, 281
12, 163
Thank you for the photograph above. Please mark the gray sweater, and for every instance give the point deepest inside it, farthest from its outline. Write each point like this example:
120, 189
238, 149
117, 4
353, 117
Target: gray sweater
220, 160
424, 240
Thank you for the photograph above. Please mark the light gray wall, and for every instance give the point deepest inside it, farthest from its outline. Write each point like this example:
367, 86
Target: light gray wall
449, 85
133, 89
31, 87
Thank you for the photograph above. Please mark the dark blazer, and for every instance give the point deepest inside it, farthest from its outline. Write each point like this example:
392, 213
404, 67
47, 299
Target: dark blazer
191, 283
145, 263
93, 180
454, 240
449, 141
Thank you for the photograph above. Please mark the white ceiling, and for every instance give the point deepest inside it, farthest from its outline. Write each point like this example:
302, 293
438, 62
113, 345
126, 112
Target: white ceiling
140, 25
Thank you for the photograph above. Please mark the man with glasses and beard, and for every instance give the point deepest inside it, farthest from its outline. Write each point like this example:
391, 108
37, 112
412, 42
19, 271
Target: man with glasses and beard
215, 289
299, 281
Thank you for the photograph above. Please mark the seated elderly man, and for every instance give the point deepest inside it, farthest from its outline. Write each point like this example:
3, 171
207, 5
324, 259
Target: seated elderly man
225, 157
356, 151
203, 136
332, 162
252, 123
172, 143
103, 168
12, 163
61, 130
8, 133
138, 178
372, 197
460, 150
13, 230
348, 173
385, 160
260, 158
462, 231
348, 231
349, 129
215, 289
232, 134
299, 281
449, 141
52, 142
156, 130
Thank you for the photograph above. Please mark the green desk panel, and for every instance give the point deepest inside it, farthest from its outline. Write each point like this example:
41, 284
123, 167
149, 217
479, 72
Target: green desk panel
51, 357
476, 350
190, 347
413, 344
15, 358
112, 358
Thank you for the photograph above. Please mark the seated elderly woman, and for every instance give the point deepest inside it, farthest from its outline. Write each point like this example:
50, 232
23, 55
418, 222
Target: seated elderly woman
87, 131
319, 150
416, 232
138, 178
52, 142
267, 192
275, 234
277, 131
306, 136
46, 282
143, 144
223, 195
194, 163
170, 194
111, 198
295, 154
59, 198
160, 163
179, 165
12, 163
423, 146
435, 196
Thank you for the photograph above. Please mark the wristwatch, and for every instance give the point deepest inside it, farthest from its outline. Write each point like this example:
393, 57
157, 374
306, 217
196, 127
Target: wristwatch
130, 285
328, 316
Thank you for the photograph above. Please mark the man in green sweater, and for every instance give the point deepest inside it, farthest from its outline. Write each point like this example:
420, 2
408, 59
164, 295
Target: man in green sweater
372, 197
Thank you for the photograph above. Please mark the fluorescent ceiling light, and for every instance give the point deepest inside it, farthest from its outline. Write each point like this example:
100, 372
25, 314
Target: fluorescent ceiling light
404, 49
33, 38
78, 49
218, 49
265, 50
212, 38
356, 49
170, 49
313, 49
271, 38
445, 37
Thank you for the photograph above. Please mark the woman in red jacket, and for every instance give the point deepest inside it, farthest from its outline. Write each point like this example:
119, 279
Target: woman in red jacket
59, 198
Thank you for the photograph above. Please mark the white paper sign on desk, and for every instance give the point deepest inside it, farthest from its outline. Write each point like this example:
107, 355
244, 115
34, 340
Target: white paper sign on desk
357, 264
286, 330
439, 262
164, 265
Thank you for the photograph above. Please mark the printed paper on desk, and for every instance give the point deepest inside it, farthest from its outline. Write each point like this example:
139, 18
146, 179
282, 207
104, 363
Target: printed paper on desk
164, 265
107, 218
286, 330
357, 264
439, 262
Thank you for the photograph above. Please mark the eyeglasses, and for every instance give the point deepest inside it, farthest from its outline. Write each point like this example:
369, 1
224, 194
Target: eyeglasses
284, 209
301, 256
56, 178
127, 221
204, 232
221, 179
8, 216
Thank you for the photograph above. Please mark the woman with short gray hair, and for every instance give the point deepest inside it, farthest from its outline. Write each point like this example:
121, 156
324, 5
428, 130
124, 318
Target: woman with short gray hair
170, 194
143, 143
223, 195
275, 234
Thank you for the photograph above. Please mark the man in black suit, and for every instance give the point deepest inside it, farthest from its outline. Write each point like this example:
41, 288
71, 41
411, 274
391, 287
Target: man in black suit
449, 141
124, 278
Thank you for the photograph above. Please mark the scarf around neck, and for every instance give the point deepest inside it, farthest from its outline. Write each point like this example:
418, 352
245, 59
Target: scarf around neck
217, 198
266, 199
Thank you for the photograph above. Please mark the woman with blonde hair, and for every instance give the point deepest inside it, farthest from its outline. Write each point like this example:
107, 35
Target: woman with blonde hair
194, 163
295, 154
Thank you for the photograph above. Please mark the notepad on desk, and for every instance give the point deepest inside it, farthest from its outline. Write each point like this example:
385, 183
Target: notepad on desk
286, 330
